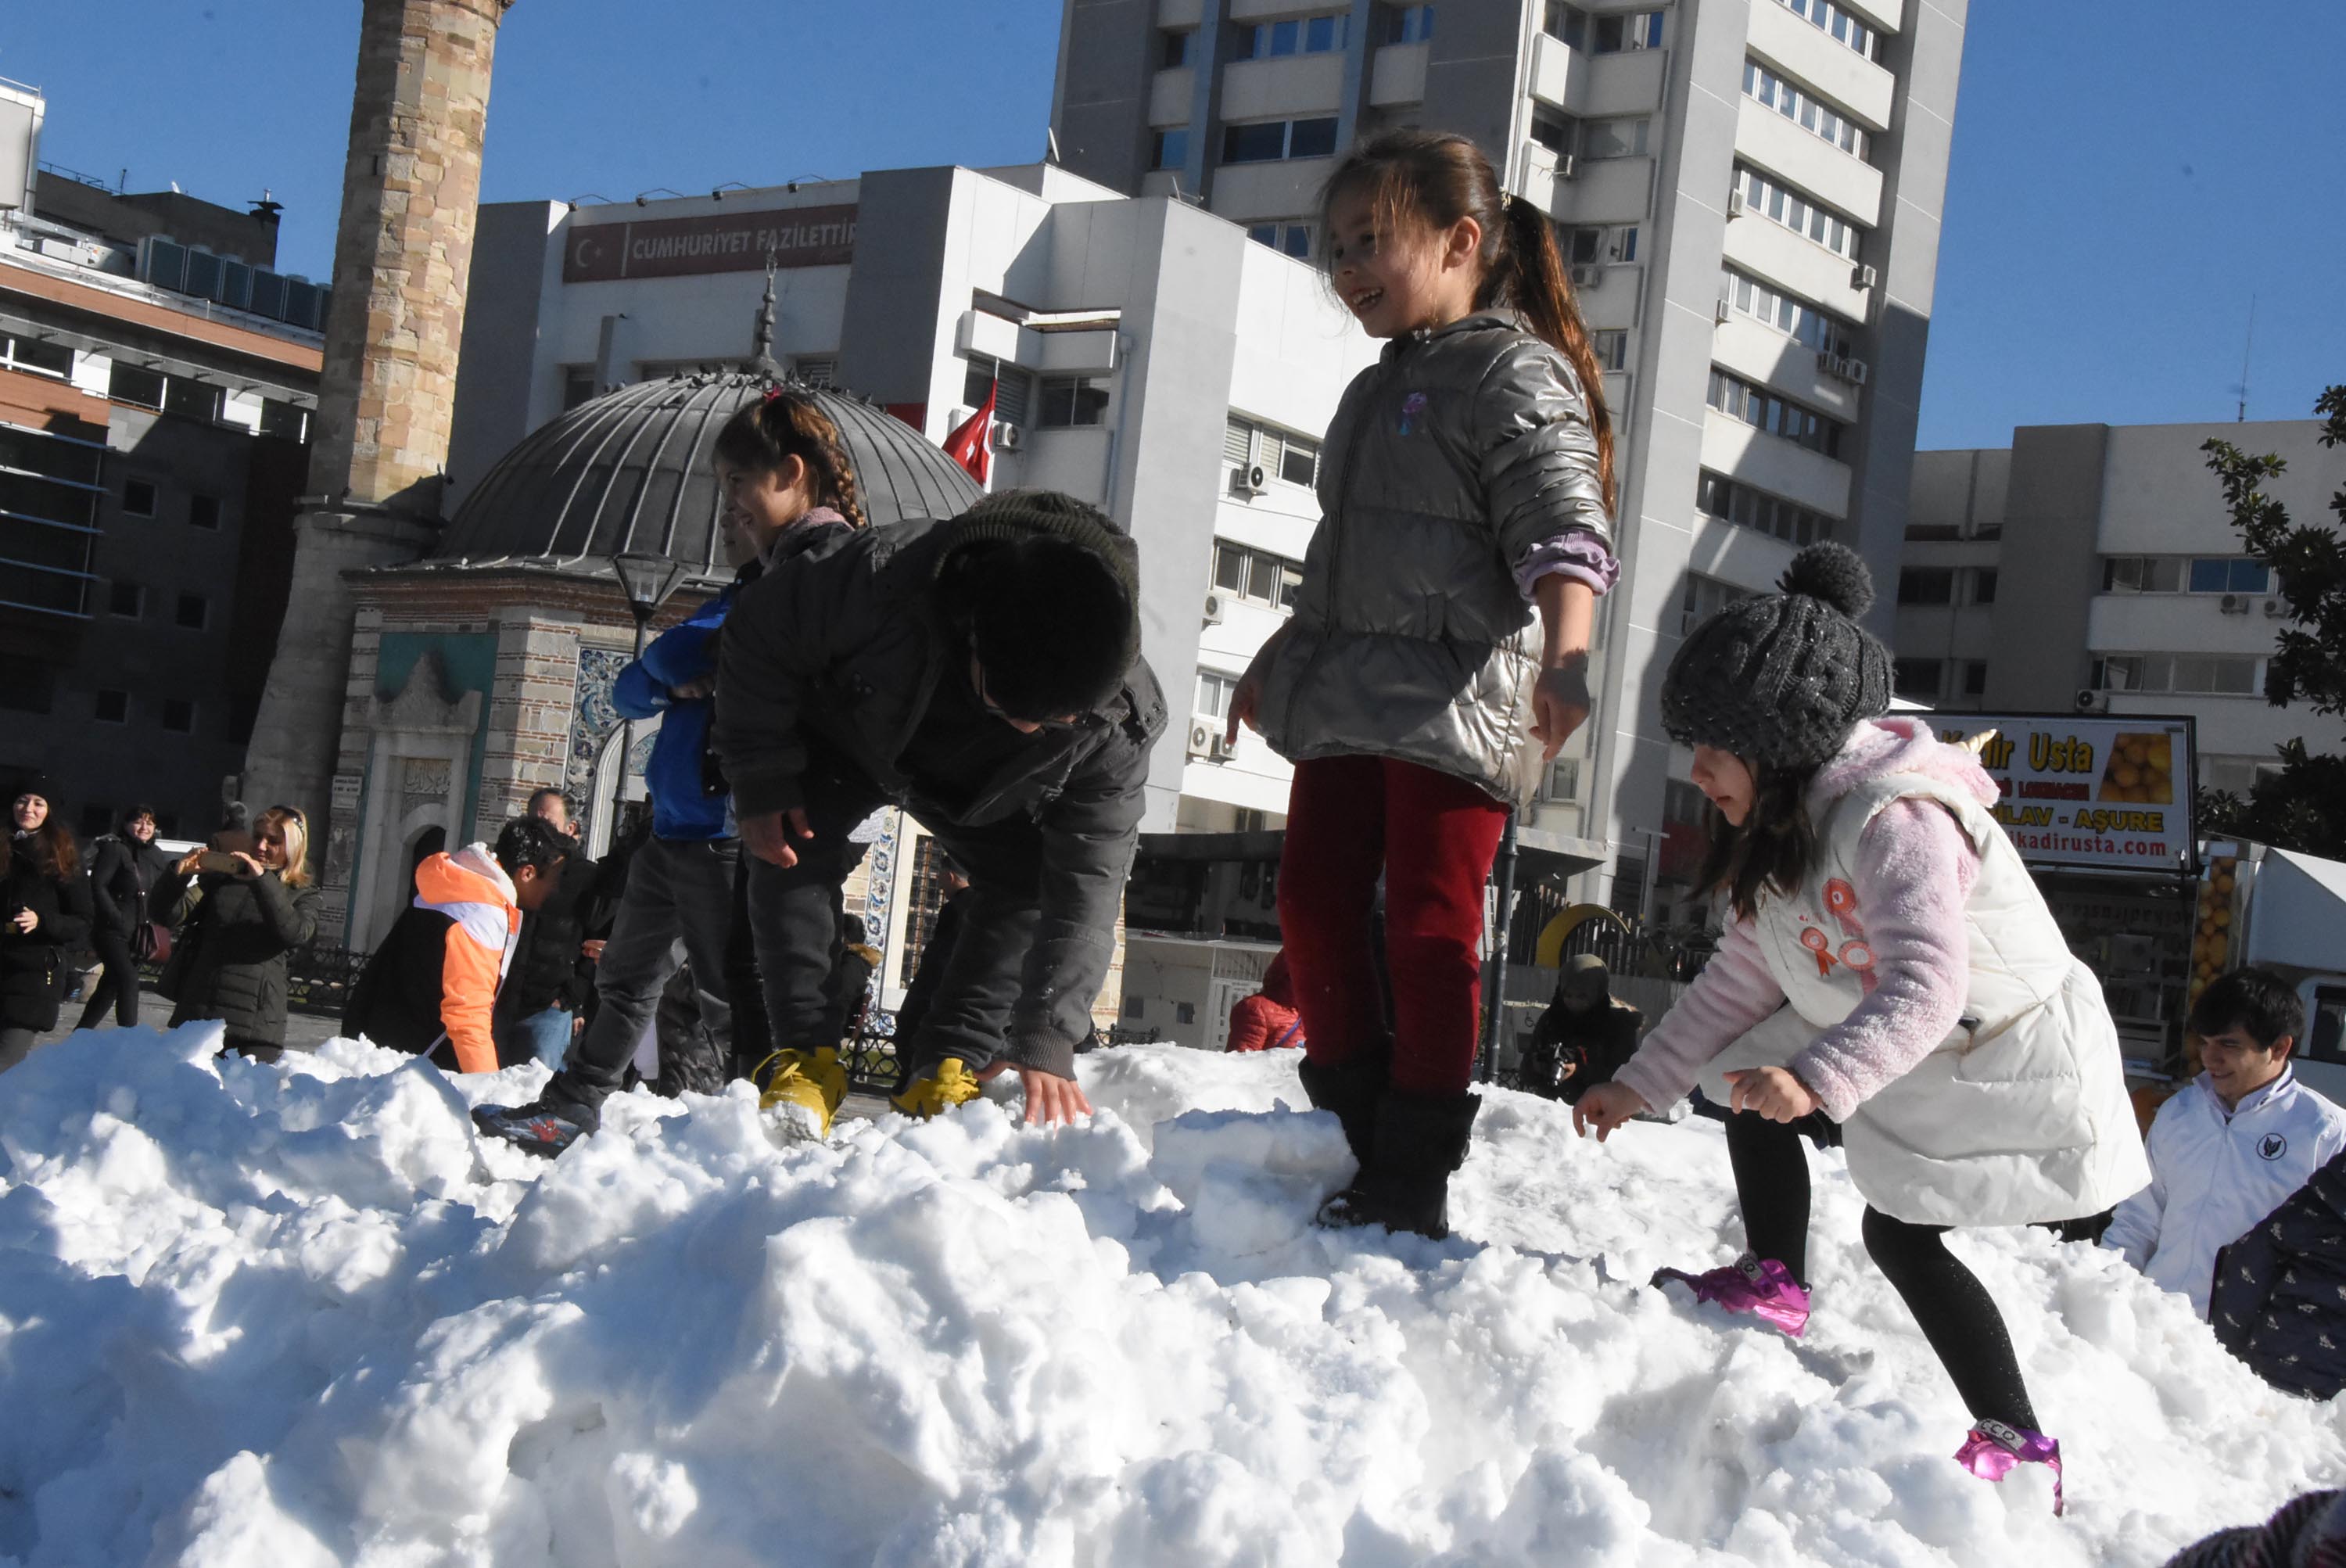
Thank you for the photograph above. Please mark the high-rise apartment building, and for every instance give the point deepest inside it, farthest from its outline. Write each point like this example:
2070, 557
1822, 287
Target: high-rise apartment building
1748, 194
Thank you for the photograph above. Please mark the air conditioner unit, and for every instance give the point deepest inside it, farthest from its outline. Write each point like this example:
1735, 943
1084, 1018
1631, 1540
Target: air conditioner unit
1720, 314
1584, 277
1848, 370
2092, 701
1203, 738
1735, 203
1856, 372
1007, 437
1251, 480
2233, 604
1864, 277
2275, 609
1216, 607
1564, 166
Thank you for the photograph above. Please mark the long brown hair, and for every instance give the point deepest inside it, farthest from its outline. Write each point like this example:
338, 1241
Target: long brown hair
53, 853
784, 424
1428, 180
1773, 849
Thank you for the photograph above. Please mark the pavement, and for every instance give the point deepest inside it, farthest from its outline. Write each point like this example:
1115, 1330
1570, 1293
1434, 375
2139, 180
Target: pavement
302, 1032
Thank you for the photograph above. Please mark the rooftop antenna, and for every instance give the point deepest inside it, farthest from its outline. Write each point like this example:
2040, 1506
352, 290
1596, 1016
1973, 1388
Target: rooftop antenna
1052, 135
2242, 417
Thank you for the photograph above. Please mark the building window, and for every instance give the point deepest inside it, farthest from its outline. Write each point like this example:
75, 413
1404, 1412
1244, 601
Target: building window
1322, 34
130, 384
1595, 247
1763, 410
1408, 24
1214, 693
578, 386
1807, 324
1795, 212
1844, 28
178, 714
1169, 149
2184, 574
128, 600
1071, 400
287, 421
2196, 674
1134, 1005
1173, 45
1926, 585
1294, 459
190, 398
1799, 105
194, 612
1982, 585
2236, 574
1012, 388
32, 355
1975, 678
1562, 782
816, 371
1257, 576
1611, 347
1272, 140
137, 498
112, 707
1749, 509
1293, 239
1553, 131
1615, 138
204, 512
1625, 31
1703, 598
1917, 679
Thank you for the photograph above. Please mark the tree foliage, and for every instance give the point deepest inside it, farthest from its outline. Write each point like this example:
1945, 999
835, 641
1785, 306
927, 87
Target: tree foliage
2303, 805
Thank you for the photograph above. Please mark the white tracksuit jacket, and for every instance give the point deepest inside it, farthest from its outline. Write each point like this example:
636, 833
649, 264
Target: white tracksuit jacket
2215, 1173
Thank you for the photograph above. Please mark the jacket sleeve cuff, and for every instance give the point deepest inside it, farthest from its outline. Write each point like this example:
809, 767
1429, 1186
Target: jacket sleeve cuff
762, 794
1043, 1051
1650, 1083
1836, 1090
1575, 554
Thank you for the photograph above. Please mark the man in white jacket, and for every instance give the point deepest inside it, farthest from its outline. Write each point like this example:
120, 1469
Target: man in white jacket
2234, 1145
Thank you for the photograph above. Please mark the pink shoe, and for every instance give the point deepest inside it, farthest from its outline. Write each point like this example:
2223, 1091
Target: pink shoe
1994, 1450
1765, 1289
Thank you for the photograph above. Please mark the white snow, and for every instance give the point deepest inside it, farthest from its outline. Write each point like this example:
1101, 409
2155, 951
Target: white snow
299, 1315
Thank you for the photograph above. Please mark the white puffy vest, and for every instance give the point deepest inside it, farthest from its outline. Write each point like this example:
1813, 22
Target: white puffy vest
2021, 1115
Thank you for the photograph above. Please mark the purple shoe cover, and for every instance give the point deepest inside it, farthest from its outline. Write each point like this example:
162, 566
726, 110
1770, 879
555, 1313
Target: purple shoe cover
1766, 1289
1995, 1450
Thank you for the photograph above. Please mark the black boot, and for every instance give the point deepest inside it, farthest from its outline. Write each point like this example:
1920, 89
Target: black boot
1419, 1140
1351, 1089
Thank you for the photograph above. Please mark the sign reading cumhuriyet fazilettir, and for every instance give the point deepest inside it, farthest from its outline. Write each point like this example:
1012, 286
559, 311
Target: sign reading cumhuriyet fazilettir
2111, 792
720, 242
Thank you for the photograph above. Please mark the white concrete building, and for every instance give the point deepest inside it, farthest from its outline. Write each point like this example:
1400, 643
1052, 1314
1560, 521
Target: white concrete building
1748, 193
2094, 567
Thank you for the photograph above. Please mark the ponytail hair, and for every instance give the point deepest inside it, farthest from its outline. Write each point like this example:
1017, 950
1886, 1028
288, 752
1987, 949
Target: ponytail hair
1773, 849
1429, 181
763, 436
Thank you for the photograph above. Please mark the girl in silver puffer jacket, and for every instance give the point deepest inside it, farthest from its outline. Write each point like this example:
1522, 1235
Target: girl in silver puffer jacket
1438, 652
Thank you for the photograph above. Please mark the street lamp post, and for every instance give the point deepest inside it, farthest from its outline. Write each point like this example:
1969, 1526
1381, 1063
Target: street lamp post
646, 579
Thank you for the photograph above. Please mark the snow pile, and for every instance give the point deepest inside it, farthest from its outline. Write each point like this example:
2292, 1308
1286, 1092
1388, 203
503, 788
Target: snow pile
299, 1316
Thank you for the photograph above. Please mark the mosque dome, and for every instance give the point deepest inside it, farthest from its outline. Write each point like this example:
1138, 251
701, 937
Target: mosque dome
631, 470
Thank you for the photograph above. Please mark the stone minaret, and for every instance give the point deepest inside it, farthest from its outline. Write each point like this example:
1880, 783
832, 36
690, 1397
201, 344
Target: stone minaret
403, 257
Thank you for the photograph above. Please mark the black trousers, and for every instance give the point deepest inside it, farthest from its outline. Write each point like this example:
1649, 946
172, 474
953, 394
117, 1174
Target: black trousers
118, 985
1953, 1309
794, 918
678, 907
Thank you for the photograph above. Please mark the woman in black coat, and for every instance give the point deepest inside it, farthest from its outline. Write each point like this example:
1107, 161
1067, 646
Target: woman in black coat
124, 867
230, 960
43, 917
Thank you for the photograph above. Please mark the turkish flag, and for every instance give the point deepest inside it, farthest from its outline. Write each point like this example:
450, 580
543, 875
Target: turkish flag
971, 444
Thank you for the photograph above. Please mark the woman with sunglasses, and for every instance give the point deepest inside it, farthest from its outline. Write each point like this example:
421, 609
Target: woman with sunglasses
247, 918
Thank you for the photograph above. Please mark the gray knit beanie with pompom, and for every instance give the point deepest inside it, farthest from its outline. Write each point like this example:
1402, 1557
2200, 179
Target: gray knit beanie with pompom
1782, 679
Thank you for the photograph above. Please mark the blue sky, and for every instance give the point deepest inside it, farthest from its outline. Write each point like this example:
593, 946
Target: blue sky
2126, 172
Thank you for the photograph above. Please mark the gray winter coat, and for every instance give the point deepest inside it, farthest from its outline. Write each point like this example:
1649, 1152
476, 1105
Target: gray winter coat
1452, 458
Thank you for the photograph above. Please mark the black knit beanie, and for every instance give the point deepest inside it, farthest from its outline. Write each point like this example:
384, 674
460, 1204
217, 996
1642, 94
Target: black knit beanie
1051, 599
32, 783
1782, 679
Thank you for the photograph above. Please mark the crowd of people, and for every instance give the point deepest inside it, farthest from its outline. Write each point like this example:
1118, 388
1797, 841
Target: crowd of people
1889, 978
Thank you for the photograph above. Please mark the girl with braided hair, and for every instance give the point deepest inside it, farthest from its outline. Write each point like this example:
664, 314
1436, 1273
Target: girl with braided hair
1437, 656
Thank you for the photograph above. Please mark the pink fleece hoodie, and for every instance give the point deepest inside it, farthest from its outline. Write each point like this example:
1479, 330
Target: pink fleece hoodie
1914, 871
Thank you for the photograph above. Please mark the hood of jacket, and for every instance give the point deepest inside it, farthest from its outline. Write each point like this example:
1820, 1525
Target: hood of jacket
1897, 745
469, 876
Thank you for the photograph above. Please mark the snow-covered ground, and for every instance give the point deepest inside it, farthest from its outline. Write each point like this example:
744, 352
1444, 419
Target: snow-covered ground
299, 1315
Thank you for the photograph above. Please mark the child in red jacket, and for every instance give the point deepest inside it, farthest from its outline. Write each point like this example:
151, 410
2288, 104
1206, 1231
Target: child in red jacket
1267, 1020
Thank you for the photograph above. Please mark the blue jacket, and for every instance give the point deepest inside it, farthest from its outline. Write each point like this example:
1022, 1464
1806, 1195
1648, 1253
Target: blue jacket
680, 771
2279, 1301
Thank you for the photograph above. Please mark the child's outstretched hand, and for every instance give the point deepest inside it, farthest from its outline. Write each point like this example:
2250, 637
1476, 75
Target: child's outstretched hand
1773, 1092
1605, 1107
1560, 704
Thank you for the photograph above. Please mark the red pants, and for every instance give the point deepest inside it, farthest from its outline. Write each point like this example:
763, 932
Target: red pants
1434, 837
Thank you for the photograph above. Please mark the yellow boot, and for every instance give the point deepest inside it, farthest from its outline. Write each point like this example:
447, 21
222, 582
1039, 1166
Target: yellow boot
806, 1087
948, 1083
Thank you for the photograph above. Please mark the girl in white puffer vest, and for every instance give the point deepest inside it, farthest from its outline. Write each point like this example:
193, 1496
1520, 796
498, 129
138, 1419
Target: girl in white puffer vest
1888, 965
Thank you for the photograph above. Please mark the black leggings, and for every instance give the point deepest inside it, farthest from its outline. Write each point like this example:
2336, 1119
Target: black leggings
1955, 1312
118, 987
